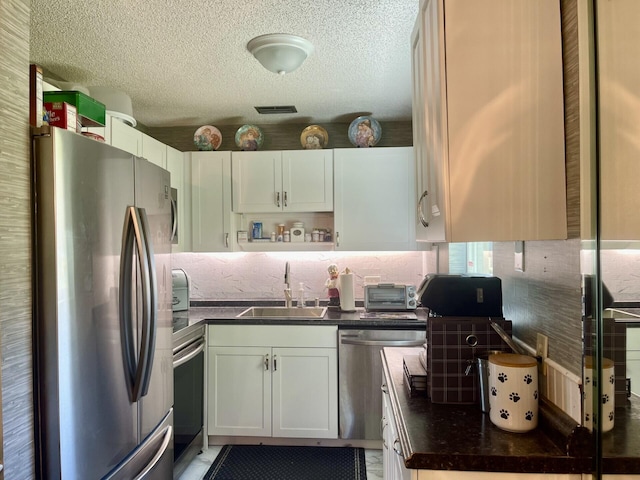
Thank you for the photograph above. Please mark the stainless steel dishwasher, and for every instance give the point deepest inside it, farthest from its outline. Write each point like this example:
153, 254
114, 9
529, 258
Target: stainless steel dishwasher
360, 373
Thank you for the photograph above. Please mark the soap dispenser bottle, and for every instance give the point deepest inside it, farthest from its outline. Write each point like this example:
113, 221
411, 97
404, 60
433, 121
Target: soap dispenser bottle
301, 295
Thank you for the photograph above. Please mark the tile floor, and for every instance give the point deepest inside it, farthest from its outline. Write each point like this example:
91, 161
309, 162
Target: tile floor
202, 462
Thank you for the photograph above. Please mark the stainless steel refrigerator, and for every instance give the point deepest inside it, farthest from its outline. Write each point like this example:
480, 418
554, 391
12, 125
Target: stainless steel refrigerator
102, 321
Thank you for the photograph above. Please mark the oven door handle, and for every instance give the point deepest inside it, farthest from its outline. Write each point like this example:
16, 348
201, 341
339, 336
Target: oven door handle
383, 343
188, 353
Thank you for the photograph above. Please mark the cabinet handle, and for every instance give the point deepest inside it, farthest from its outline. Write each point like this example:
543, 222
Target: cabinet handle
423, 221
285, 198
226, 240
383, 425
384, 388
337, 239
278, 199
397, 450
266, 362
275, 364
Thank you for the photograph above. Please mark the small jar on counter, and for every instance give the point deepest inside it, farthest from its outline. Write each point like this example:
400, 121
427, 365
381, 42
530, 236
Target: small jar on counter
273, 236
315, 236
287, 236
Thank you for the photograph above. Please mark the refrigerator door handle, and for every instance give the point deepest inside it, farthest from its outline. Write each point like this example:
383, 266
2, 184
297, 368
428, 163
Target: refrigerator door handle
132, 241
150, 291
156, 458
174, 220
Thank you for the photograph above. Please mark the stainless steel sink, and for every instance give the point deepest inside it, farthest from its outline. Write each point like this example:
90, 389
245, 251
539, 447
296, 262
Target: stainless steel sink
283, 312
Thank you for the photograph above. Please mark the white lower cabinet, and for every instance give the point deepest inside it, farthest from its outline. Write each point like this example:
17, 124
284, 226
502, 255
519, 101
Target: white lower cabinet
279, 381
392, 458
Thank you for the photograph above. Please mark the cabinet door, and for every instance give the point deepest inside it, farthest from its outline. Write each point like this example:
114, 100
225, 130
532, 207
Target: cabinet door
620, 150
175, 165
126, 137
307, 180
432, 207
374, 199
154, 151
305, 392
257, 182
239, 391
494, 122
210, 201
419, 74
505, 123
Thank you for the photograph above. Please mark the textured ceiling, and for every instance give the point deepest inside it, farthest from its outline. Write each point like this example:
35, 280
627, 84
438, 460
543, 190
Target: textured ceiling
186, 63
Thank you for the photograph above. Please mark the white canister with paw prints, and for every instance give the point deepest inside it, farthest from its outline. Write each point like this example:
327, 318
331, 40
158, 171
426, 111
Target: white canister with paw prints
608, 393
513, 392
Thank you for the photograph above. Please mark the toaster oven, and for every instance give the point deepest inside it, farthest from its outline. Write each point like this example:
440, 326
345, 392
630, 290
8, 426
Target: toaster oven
389, 296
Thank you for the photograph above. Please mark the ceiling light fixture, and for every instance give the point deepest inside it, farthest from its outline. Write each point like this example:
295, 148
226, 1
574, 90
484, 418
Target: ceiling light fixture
280, 52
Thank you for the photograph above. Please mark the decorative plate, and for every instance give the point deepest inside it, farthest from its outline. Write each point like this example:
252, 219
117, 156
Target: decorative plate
207, 137
365, 132
249, 137
313, 137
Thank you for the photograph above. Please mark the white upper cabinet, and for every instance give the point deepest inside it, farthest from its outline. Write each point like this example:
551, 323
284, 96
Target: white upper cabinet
125, 137
180, 212
282, 181
210, 201
489, 121
374, 199
154, 151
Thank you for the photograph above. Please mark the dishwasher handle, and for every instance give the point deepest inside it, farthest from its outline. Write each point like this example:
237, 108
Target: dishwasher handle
349, 340
188, 353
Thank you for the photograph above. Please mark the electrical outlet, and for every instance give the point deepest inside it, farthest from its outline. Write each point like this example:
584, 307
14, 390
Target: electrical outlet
542, 346
519, 256
542, 350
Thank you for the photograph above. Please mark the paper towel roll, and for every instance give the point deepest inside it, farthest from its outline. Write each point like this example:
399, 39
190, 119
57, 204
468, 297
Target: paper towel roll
346, 288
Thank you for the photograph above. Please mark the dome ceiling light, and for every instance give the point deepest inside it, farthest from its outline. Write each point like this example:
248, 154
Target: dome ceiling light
279, 52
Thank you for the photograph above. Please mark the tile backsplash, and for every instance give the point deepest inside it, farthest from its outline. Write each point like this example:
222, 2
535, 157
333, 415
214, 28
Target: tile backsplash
260, 276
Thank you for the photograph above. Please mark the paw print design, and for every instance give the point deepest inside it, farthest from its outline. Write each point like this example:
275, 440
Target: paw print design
611, 416
535, 395
587, 380
504, 414
612, 379
514, 397
605, 399
529, 415
528, 379
502, 377
494, 391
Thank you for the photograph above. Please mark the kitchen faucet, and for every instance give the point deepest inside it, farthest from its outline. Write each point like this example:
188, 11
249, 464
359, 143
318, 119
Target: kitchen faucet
288, 301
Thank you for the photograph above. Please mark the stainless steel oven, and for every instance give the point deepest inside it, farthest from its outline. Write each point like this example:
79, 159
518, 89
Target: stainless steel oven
188, 373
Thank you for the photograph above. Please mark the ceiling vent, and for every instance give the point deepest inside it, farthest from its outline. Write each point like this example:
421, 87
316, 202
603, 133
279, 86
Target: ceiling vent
276, 109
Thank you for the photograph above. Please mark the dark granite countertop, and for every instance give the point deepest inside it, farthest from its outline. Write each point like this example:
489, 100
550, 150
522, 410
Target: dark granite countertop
226, 313
461, 437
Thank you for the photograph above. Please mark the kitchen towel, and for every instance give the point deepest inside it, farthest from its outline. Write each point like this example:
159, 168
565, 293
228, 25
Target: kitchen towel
275, 462
347, 294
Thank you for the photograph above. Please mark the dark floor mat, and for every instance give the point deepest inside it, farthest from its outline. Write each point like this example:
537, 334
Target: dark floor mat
269, 462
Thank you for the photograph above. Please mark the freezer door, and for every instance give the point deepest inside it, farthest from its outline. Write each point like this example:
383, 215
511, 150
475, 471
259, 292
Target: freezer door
153, 459
153, 200
87, 424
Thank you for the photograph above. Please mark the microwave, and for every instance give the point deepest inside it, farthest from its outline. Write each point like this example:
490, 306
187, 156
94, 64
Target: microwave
390, 296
